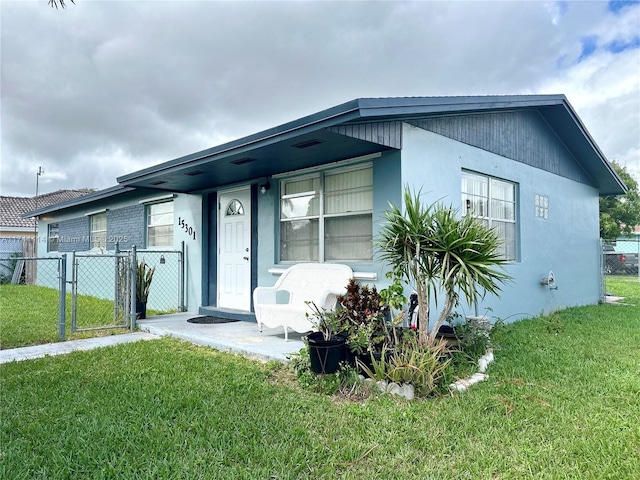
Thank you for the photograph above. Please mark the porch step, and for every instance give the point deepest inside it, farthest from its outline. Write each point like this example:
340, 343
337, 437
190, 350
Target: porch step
227, 313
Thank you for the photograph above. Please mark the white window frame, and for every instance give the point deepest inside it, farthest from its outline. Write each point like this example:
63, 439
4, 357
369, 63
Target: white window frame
50, 237
321, 216
489, 217
97, 238
541, 206
148, 208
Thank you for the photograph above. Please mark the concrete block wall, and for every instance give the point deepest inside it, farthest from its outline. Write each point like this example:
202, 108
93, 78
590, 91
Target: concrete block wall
74, 235
126, 226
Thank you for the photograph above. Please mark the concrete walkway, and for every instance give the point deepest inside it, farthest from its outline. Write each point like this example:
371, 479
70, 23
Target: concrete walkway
59, 348
239, 337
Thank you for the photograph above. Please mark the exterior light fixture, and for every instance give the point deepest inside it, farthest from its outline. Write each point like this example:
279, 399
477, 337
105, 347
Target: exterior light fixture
162, 260
264, 187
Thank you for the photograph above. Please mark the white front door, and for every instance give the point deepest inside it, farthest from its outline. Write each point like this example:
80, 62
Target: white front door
234, 249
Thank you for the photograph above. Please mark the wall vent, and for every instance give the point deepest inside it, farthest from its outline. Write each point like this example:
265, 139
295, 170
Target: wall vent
307, 144
242, 161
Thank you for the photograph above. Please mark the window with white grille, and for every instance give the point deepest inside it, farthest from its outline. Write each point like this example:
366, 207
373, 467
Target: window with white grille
160, 224
493, 201
327, 216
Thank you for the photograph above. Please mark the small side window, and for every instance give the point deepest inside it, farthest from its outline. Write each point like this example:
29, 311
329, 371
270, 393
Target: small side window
53, 237
99, 230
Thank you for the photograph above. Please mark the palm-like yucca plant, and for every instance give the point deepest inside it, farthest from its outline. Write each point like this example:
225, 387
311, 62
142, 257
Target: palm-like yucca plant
402, 241
143, 281
436, 250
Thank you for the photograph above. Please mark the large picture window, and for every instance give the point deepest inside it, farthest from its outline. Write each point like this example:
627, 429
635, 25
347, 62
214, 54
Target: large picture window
98, 233
327, 216
492, 201
160, 224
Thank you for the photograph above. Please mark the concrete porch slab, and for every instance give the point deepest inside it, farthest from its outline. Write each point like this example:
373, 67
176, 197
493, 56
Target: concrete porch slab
239, 337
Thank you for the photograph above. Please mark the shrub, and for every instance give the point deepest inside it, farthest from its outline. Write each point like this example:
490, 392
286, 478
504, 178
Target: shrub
473, 339
363, 314
423, 366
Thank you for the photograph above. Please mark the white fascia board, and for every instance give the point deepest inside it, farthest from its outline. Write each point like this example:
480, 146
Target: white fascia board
95, 212
157, 199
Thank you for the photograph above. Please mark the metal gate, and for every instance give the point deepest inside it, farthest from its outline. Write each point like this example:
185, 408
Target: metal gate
101, 293
103, 287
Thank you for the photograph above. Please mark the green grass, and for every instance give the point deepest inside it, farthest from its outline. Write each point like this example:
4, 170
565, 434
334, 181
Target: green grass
562, 401
29, 316
624, 286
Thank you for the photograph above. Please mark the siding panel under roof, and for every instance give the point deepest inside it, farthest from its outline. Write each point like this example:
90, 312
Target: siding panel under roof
520, 135
388, 134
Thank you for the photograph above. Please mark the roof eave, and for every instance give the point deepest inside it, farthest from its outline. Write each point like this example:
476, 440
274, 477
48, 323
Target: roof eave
379, 108
332, 116
622, 188
75, 202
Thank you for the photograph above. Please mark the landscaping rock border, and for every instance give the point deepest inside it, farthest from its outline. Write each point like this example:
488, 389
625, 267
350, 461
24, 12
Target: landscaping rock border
407, 390
463, 385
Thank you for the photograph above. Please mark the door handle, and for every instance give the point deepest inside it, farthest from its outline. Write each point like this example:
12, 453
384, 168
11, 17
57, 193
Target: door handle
246, 258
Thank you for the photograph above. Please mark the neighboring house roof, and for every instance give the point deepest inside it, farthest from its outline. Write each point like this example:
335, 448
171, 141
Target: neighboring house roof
12, 209
92, 197
357, 128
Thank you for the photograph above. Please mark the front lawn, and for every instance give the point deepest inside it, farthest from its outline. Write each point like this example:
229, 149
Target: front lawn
561, 402
29, 316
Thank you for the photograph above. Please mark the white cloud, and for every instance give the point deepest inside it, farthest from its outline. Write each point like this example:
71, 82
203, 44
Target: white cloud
102, 89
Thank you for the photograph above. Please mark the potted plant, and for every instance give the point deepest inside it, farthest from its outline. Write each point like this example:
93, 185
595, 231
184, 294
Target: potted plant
327, 346
144, 276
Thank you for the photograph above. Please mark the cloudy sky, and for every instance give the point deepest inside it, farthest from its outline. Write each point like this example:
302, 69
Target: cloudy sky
104, 88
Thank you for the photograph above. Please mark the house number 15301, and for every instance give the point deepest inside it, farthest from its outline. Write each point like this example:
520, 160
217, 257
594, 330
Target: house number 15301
186, 227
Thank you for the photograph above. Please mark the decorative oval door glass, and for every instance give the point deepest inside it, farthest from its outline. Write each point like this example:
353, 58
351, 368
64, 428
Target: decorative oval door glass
234, 208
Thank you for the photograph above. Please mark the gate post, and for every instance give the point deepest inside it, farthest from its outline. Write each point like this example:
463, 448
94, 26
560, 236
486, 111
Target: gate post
117, 286
62, 296
134, 285
183, 264
74, 291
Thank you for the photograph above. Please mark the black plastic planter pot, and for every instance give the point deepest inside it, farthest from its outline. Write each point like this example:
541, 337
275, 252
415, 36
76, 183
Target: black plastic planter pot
326, 355
365, 359
141, 310
448, 334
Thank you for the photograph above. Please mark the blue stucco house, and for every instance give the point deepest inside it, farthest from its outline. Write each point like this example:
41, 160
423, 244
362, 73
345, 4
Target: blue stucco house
315, 190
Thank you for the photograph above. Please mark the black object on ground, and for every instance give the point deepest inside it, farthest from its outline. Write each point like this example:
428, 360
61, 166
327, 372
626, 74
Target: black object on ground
210, 320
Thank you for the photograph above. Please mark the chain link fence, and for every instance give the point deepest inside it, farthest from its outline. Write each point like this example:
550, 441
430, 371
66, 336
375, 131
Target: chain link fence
619, 262
100, 291
620, 257
86, 291
108, 278
166, 294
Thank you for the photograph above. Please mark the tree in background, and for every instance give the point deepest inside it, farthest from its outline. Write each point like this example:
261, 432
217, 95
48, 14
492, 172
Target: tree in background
620, 214
56, 3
